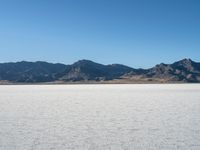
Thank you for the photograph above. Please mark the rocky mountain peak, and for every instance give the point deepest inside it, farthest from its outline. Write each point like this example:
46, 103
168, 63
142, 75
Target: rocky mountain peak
185, 61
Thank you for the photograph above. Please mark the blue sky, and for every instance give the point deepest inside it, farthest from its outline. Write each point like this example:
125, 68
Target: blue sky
138, 33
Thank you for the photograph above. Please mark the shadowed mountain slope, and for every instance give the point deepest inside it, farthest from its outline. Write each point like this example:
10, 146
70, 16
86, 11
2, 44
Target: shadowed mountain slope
30, 71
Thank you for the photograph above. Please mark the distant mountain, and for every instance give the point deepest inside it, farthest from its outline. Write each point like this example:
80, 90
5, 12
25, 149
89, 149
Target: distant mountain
30, 71
184, 70
88, 70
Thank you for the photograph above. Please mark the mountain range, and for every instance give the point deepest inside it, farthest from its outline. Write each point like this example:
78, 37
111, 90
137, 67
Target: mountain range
86, 71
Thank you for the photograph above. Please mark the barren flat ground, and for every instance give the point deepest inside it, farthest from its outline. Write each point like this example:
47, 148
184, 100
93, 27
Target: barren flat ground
100, 117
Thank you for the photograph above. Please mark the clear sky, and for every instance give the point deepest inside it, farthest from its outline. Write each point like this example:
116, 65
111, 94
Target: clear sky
138, 33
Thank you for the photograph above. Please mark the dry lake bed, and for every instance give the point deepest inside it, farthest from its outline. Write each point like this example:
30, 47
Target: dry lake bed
100, 117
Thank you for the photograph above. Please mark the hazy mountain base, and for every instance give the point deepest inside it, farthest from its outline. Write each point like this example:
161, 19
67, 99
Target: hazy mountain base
132, 80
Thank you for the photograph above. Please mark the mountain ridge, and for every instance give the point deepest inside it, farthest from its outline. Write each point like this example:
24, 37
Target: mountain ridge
185, 70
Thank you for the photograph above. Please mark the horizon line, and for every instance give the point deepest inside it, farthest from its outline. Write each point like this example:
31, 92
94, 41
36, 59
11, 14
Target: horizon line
94, 62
